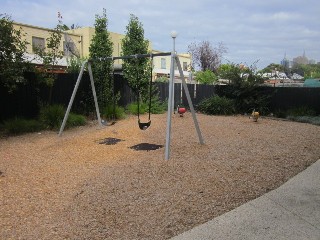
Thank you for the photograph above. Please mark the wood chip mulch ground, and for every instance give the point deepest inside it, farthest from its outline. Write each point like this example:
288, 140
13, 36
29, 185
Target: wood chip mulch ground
78, 187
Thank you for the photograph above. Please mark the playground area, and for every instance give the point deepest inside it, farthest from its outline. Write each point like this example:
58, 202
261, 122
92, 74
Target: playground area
94, 183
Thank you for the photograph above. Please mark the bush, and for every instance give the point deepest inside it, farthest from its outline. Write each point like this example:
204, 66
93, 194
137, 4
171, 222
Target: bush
301, 111
52, 117
280, 113
111, 112
75, 120
248, 97
132, 108
162, 79
206, 77
157, 107
217, 106
21, 125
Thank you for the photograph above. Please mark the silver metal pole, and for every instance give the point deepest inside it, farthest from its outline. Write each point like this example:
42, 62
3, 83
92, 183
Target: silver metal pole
174, 51
94, 94
186, 90
169, 114
72, 98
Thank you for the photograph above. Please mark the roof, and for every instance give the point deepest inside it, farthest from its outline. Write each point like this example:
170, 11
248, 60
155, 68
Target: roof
311, 83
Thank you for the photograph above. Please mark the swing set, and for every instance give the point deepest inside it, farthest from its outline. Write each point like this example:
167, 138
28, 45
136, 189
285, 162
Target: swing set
142, 125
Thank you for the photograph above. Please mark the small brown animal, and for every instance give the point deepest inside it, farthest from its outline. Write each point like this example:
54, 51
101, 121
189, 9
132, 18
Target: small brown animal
255, 115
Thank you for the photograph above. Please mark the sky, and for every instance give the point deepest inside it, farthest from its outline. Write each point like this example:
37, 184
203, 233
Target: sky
262, 31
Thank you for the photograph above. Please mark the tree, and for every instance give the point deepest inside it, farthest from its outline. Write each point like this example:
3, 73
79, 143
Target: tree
12, 49
51, 55
206, 57
307, 70
243, 87
136, 71
239, 74
272, 67
206, 77
101, 46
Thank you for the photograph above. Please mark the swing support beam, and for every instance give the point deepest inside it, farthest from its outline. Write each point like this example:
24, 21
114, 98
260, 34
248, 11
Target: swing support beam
174, 59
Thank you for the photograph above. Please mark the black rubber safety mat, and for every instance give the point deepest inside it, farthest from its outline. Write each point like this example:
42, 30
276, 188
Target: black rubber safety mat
146, 147
110, 141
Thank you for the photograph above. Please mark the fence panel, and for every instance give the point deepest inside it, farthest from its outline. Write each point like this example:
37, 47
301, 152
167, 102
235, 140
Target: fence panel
121, 86
203, 92
191, 89
285, 98
26, 101
163, 89
21, 102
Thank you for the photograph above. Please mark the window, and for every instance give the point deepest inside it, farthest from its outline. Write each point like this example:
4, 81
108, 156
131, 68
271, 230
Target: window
38, 43
68, 48
163, 63
185, 66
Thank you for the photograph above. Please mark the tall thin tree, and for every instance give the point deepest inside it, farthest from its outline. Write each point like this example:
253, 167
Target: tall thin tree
101, 46
136, 71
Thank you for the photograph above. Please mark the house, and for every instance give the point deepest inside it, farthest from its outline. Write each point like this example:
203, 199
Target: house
77, 41
162, 66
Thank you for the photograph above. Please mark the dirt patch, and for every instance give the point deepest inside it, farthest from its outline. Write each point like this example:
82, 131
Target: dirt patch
74, 188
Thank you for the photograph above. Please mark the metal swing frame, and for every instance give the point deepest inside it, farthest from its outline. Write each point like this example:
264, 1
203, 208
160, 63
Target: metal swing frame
174, 59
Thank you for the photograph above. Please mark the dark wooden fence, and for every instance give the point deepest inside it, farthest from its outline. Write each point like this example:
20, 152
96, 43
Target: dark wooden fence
26, 101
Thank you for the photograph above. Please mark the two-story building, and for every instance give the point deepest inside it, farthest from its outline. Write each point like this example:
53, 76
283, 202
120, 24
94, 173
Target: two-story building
77, 42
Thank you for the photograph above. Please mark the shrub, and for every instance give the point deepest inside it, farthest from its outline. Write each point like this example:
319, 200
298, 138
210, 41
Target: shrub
206, 77
217, 106
52, 117
301, 111
132, 108
75, 120
248, 97
162, 79
157, 107
280, 113
111, 112
21, 125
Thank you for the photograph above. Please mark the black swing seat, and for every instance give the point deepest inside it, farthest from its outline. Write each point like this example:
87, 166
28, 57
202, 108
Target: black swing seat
106, 123
144, 126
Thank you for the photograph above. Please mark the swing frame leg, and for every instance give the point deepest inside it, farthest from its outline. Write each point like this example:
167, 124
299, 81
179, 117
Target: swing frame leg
175, 58
74, 94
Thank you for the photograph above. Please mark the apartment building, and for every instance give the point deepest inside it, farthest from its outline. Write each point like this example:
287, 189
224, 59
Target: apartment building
77, 41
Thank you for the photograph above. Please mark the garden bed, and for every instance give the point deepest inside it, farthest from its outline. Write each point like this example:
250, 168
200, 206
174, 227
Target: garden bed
74, 187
